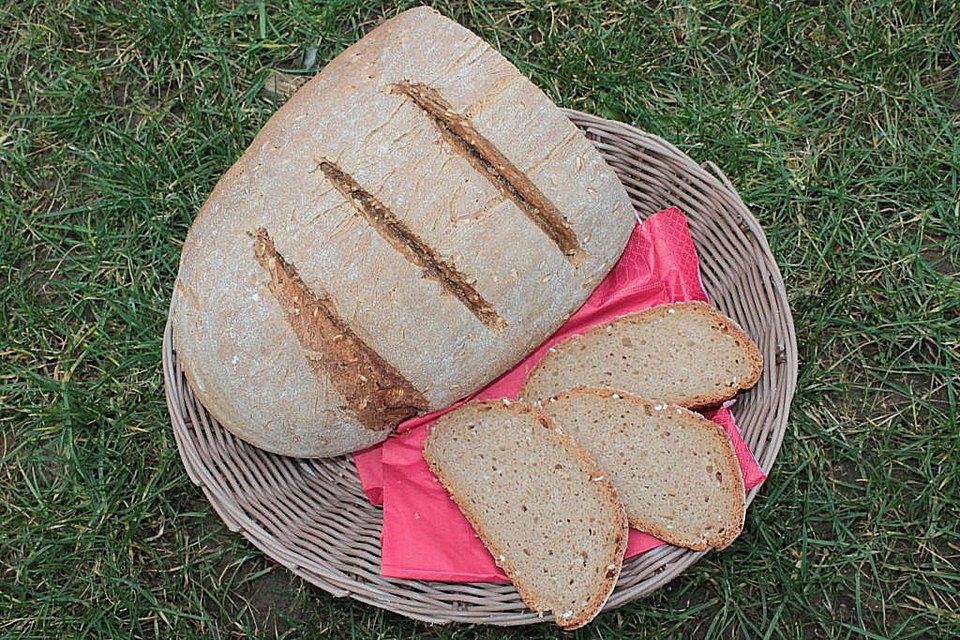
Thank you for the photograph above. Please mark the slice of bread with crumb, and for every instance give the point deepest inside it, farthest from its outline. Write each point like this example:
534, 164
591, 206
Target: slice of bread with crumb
676, 471
684, 353
540, 504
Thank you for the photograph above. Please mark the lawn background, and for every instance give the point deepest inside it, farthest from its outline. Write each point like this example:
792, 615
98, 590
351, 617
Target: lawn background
837, 121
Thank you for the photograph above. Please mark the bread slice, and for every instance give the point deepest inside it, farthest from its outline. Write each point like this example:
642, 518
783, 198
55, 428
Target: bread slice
541, 505
675, 471
684, 353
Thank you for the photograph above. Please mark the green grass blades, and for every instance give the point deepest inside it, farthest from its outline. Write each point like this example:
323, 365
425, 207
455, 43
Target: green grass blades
837, 121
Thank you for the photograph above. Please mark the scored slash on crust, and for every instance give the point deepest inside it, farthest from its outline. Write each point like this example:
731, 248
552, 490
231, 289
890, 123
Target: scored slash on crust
386, 223
373, 389
490, 162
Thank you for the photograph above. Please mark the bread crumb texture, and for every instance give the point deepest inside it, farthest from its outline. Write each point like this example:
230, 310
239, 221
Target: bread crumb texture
537, 501
683, 353
676, 472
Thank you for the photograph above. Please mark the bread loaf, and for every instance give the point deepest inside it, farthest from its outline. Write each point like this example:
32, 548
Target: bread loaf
676, 471
685, 353
413, 221
542, 507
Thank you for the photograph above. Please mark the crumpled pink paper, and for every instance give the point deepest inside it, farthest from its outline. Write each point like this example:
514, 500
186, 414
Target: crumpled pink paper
424, 534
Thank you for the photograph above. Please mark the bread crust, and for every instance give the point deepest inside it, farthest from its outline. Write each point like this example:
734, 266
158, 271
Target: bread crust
726, 325
602, 594
731, 466
443, 277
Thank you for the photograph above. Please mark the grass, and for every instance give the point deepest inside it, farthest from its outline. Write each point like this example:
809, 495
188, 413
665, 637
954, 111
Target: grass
839, 123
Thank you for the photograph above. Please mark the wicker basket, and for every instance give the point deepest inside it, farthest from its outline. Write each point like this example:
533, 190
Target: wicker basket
312, 517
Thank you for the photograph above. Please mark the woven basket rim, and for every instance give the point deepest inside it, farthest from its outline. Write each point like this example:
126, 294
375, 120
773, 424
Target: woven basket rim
236, 477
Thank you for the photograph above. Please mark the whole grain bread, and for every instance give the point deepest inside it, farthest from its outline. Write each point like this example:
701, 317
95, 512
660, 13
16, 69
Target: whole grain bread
675, 471
685, 353
540, 504
408, 225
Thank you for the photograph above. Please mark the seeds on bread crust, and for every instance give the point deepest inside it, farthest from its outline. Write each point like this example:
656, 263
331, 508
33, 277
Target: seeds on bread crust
374, 390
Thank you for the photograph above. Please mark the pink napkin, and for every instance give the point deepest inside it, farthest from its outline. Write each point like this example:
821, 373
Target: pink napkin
424, 534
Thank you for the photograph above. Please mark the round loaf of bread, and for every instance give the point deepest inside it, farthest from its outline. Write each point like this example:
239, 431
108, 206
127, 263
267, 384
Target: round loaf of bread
411, 223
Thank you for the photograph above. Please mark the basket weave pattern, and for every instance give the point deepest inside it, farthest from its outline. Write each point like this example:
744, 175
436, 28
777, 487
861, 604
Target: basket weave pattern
312, 517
